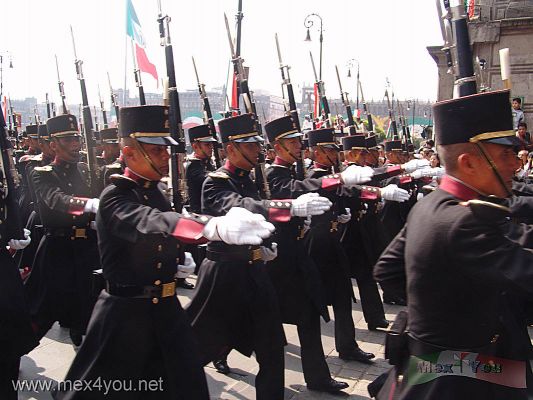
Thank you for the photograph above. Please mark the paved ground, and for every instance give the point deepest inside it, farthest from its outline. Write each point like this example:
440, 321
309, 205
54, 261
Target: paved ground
51, 360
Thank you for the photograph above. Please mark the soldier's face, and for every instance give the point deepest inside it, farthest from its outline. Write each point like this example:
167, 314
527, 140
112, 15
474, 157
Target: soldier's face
67, 148
394, 157
506, 162
357, 156
111, 150
288, 149
326, 156
203, 149
239, 154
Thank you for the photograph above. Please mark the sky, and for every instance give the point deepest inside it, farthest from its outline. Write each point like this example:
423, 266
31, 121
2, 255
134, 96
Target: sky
388, 38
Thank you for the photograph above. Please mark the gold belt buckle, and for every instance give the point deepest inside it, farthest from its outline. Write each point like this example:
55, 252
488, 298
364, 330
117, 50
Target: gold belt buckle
334, 226
256, 254
168, 289
80, 233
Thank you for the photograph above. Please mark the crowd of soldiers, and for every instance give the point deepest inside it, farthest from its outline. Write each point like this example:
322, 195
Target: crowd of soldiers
106, 265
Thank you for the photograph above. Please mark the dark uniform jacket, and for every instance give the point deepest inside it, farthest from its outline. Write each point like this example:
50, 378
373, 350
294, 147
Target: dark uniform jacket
141, 242
235, 305
195, 173
293, 272
462, 256
59, 286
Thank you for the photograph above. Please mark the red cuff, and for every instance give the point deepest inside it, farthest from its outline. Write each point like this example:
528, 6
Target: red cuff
394, 170
189, 231
405, 179
331, 183
369, 193
77, 205
279, 214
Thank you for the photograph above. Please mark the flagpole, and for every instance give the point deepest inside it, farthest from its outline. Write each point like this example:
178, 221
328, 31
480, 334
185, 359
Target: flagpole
125, 59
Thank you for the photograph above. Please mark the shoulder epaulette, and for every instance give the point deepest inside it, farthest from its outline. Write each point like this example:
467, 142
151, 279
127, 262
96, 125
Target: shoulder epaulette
319, 169
45, 168
279, 166
487, 210
218, 174
114, 166
122, 181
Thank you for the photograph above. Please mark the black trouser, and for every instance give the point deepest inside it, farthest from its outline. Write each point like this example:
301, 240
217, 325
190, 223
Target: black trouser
270, 380
315, 368
370, 299
344, 326
9, 372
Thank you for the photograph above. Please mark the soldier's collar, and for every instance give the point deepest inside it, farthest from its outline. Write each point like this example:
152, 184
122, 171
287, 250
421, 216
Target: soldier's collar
141, 181
235, 170
281, 162
320, 166
65, 164
459, 189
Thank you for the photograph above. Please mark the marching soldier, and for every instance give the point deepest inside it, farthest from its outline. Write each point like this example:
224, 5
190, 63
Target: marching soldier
324, 247
59, 286
235, 305
467, 250
138, 331
293, 272
110, 158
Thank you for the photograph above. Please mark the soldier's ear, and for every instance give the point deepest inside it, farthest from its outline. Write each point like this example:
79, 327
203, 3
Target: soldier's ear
128, 151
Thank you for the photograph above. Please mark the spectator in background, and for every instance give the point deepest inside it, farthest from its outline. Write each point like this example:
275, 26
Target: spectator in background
523, 134
525, 165
434, 161
518, 114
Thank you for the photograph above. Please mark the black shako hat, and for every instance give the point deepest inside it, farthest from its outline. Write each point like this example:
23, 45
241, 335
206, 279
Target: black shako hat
480, 117
64, 125
241, 129
147, 124
109, 135
282, 128
354, 142
32, 131
371, 143
43, 132
200, 133
393, 145
322, 137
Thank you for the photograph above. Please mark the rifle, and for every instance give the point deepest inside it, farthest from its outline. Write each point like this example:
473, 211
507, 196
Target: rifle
9, 184
208, 116
92, 166
113, 98
48, 108
365, 109
96, 124
391, 116
177, 159
138, 79
292, 110
242, 79
321, 94
61, 89
346, 102
104, 114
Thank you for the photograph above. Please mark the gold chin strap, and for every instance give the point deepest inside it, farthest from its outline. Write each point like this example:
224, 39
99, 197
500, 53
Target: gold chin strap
327, 156
237, 146
287, 150
492, 165
141, 149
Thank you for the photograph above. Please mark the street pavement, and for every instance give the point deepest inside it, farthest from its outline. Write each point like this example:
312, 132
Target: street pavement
52, 358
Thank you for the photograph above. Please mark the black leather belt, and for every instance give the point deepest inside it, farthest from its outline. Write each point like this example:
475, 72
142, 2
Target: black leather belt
249, 254
73, 233
418, 347
142, 292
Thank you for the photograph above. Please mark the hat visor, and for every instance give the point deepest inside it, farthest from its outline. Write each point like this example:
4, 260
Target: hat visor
205, 139
160, 141
293, 135
506, 141
110, 141
330, 146
250, 139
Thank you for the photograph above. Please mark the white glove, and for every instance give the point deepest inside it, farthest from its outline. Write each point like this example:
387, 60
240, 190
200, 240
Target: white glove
239, 226
20, 244
309, 204
268, 254
394, 193
413, 165
344, 218
428, 172
354, 175
92, 206
187, 268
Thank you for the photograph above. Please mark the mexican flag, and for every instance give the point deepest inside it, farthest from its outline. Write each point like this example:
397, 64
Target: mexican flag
133, 30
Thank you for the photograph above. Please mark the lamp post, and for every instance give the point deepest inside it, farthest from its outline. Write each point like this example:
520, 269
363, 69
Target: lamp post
350, 64
409, 102
308, 23
2, 55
